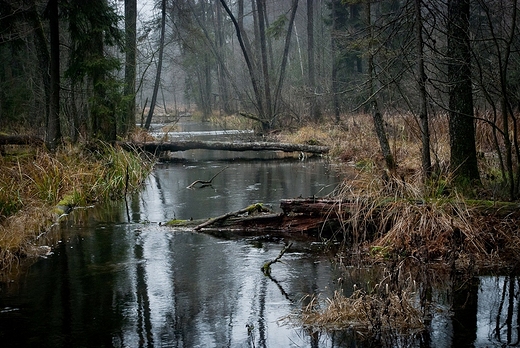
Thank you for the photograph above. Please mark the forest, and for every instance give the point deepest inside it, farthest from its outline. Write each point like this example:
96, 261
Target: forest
79, 71
438, 76
416, 102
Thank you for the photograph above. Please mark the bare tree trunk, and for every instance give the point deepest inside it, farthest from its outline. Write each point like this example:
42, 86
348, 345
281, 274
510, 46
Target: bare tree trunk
310, 61
223, 84
159, 66
128, 122
376, 113
53, 123
463, 158
265, 64
335, 62
285, 56
243, 42
421, 82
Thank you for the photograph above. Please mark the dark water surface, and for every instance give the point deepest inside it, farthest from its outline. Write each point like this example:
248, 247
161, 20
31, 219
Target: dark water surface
117, 278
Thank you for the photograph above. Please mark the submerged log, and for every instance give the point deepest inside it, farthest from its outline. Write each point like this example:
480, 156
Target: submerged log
183, 145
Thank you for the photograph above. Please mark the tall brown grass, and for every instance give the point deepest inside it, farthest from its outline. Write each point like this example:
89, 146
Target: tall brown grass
36, 186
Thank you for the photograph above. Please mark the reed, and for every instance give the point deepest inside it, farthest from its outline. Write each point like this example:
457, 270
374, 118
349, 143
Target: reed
36, 185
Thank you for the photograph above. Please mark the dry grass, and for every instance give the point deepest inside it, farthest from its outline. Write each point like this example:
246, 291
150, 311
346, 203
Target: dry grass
381, 312
36, 184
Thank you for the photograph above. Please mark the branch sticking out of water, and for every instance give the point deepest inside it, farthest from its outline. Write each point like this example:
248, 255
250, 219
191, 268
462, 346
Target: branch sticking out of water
266, 268
205, 183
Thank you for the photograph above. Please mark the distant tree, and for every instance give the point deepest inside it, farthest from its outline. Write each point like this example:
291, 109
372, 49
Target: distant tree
463, 158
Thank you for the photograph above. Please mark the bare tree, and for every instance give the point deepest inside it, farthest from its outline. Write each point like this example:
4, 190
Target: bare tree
159, 66
421, 84
53, 123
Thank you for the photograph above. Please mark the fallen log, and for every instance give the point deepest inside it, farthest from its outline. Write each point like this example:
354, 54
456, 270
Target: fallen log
183, 145
258, 220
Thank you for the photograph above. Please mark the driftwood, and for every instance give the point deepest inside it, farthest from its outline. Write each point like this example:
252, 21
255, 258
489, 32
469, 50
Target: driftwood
183, 145
20, 140
266, 268
205, 182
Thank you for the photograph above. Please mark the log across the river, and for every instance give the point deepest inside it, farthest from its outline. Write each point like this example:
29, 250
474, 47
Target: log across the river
183, 145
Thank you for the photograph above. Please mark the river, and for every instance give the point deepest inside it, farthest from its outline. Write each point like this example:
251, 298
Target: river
118, 278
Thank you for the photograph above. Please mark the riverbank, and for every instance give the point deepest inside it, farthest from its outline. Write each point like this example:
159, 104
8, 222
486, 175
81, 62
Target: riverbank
37, 187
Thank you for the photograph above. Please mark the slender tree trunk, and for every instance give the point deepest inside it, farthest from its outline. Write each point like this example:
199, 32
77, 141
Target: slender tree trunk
461, 123
335, 62
243, 42
159, 66
264, 59
53, 123
310, 61
285, 56
421, 82
223, 84
130, 64
376, 113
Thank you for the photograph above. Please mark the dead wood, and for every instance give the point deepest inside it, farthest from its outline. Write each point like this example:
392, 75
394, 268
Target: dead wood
257, 207
204, 182
183, 145
266, 268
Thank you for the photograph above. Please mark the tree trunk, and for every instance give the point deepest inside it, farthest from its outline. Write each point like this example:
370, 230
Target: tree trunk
461, 123
265, 61
421, 84
310, 61
285, 56
223, 83
159, 66
245, 52
53, 123
335, 62
130, 64
376, 113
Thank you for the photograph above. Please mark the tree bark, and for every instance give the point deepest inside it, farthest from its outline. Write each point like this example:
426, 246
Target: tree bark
159, 66
463, 158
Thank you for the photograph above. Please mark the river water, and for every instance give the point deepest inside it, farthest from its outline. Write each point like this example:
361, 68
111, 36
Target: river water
118, 278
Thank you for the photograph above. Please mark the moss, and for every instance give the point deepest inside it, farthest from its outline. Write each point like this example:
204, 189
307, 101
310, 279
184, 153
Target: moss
177, 222
256, 207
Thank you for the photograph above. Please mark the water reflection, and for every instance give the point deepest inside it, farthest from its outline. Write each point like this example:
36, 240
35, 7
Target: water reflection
118, 279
